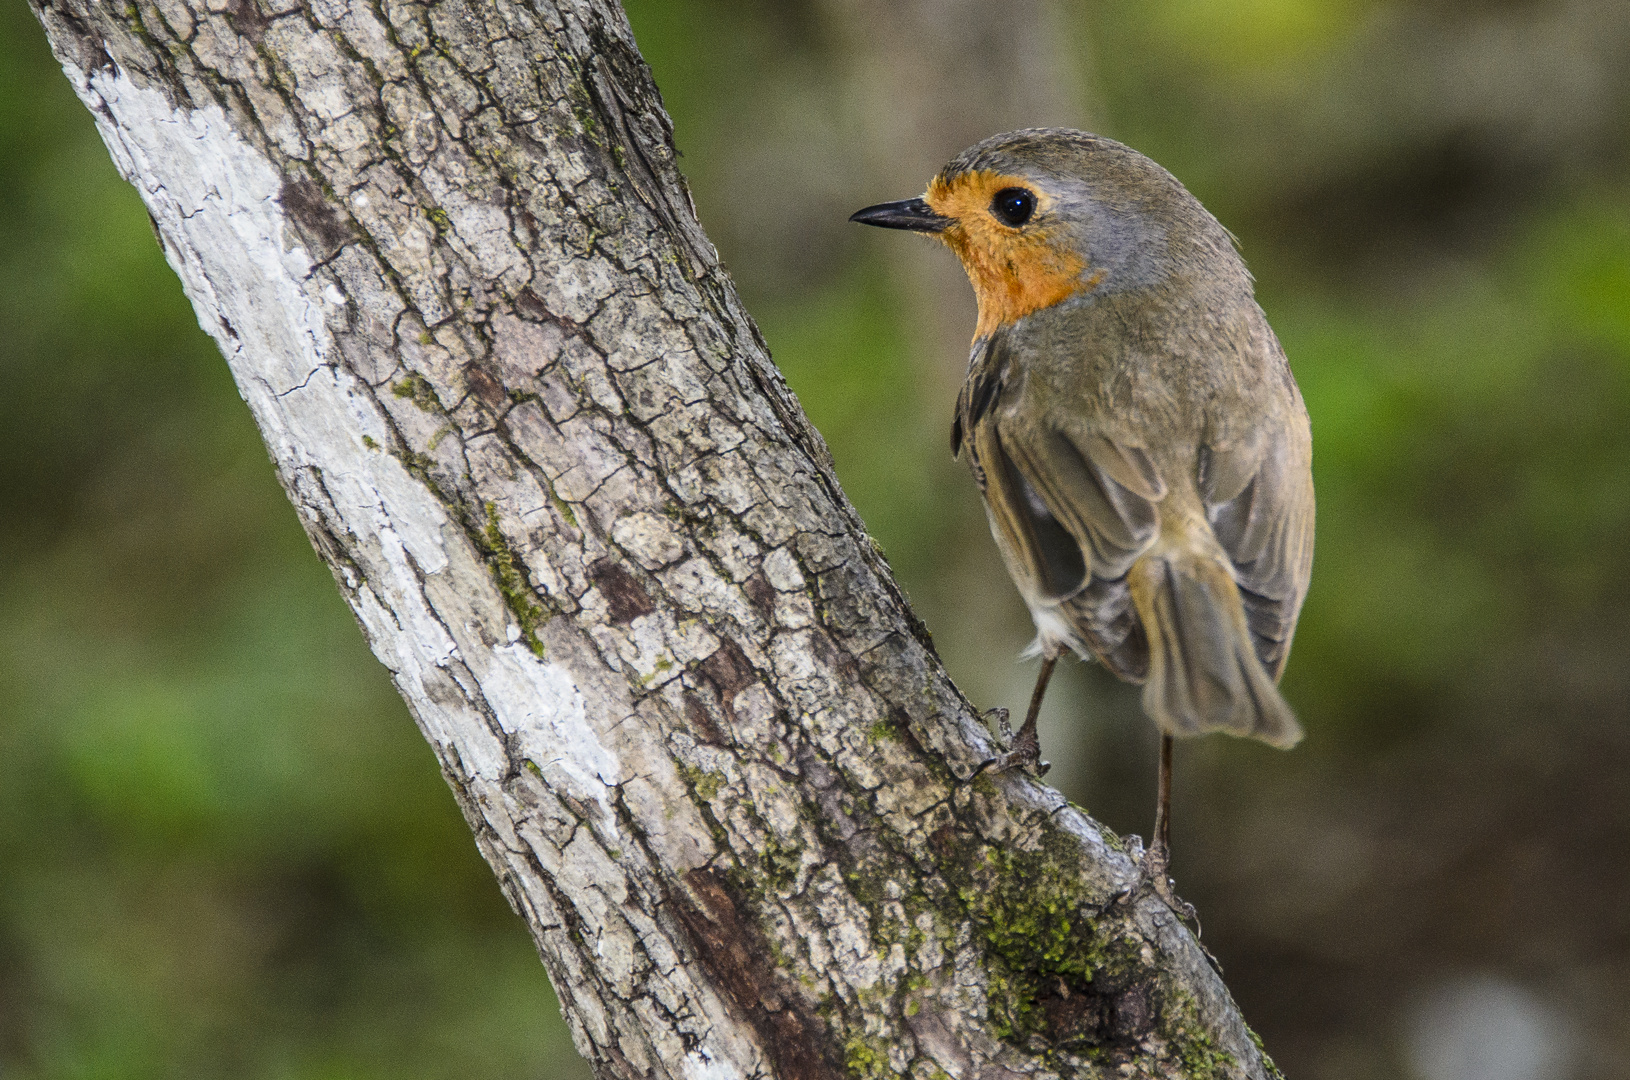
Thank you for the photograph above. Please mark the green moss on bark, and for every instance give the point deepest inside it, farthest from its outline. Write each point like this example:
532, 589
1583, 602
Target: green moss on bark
417, 389
1034, 919
517, 593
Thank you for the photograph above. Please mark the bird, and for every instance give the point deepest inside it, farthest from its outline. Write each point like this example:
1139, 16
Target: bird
1142, 448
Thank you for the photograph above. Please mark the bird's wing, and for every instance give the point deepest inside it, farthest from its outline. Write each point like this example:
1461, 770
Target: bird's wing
1104, 496
1071, 516
1040, 549
1045, 560
1064, 511
1102, 492
1258, 496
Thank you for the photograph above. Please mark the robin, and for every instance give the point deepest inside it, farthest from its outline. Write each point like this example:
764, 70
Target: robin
1130, 419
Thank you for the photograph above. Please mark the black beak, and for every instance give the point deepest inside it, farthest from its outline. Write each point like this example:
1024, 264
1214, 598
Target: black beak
912, 214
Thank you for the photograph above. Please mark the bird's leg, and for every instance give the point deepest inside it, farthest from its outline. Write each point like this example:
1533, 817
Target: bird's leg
1028, 743
1157, 860
1025, 749
1163, 800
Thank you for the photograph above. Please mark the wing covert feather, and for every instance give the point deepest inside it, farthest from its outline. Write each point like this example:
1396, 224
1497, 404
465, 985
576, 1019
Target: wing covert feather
1113, 521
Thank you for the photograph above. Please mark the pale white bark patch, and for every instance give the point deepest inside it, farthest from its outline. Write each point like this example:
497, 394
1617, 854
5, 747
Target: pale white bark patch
698, 1066
547, 717
259, 295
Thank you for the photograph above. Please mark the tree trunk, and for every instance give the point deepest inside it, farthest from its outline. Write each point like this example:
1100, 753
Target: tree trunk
698, 734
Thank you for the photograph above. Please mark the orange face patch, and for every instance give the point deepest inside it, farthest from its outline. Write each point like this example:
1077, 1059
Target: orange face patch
1014, 271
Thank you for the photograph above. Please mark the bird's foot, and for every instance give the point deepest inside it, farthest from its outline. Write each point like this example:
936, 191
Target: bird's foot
1023, 751
1154, 874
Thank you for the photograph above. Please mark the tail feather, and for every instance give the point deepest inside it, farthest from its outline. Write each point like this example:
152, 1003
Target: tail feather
1204, 674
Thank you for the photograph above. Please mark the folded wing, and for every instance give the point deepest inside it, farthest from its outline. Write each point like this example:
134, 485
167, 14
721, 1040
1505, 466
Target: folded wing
1259, 500
1071, 518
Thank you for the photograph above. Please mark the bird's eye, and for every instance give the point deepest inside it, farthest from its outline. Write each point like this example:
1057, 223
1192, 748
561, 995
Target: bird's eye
1013, 206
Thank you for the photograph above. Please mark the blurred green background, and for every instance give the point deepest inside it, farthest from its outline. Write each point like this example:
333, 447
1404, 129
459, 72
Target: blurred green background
225, 851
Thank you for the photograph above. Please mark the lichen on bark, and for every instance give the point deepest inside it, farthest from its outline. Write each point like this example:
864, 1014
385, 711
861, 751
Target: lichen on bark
695, 728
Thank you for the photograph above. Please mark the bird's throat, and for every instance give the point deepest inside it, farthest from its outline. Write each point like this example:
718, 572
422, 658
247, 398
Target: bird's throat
1014, 271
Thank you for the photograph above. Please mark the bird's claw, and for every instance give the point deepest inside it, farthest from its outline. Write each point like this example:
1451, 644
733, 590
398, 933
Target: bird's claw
1023, 751
1019, 757
1154, 875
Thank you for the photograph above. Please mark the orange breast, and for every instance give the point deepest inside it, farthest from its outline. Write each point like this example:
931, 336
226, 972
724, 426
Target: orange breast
1014, 271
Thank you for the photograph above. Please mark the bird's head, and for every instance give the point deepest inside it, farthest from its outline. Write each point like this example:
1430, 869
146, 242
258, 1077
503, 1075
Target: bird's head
1047, 214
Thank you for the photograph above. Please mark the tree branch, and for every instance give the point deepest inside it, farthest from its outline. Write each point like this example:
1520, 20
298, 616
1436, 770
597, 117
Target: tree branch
695, 728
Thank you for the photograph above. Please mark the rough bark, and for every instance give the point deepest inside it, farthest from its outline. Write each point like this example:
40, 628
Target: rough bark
691, 720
